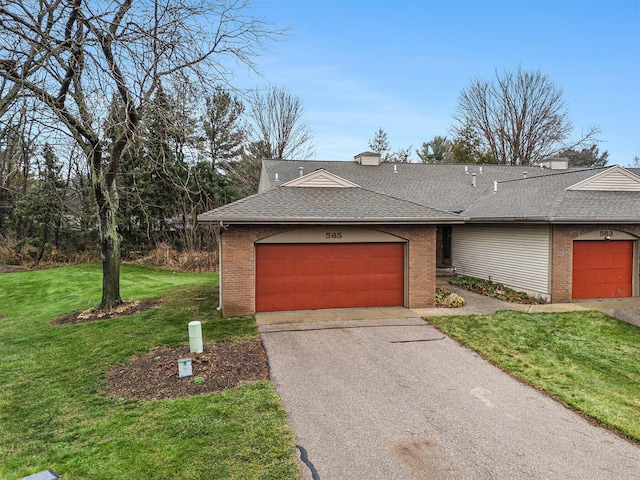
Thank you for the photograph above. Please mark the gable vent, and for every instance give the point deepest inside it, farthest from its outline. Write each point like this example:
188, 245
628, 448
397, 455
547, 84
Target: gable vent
320, 178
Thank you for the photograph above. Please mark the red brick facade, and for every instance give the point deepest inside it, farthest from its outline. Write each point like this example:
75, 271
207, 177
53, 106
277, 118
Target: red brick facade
562, 255
237, 269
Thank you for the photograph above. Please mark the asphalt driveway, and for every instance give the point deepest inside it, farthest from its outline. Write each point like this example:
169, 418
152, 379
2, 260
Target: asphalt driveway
396, 399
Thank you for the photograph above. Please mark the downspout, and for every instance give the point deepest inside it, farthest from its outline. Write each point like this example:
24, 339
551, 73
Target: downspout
220, 268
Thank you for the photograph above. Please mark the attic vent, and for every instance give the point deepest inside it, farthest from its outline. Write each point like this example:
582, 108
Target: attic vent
524, 174
473, 180
495, 186
395, 169
301, 171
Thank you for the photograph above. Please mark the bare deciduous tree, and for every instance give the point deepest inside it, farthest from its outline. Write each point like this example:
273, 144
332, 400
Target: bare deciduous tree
277, 117
520, 117
75, 57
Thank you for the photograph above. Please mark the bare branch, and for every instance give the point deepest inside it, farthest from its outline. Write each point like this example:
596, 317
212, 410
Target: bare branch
277, 115
78, 58
520, 117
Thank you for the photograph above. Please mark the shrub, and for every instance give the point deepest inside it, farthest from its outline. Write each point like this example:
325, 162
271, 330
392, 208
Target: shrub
444, 298
491, 289
187, 260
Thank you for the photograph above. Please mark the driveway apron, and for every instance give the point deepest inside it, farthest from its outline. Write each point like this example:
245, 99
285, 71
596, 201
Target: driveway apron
397, 399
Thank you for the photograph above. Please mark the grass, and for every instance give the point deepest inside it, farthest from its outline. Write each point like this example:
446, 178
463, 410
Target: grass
52, 412
587, 360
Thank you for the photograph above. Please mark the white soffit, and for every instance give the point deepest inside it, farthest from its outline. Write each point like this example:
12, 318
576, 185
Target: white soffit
320, 178
614, 179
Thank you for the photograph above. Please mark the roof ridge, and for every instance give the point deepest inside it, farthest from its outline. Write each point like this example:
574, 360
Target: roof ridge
555, 174
410, 202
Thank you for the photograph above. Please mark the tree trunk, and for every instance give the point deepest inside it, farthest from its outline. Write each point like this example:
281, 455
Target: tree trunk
110, 245
45, 237
107, 202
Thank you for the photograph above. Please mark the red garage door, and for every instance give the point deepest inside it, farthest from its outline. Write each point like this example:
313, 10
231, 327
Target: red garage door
316, 276
602, 269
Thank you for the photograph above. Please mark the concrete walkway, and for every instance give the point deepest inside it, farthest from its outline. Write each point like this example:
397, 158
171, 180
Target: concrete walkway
626, 309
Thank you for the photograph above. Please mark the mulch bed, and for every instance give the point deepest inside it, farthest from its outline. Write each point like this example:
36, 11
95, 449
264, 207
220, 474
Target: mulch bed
94, 314
219, 367
154, 376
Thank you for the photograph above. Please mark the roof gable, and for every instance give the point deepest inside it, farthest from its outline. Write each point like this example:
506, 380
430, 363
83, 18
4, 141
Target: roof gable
614, 179
321, 178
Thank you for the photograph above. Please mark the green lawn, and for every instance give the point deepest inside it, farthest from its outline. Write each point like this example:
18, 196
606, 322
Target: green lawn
588, 360
53, 416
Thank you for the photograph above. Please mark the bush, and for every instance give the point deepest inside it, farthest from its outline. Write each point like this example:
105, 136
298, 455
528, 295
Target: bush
187, 260
25, 252
444, 298
491, 289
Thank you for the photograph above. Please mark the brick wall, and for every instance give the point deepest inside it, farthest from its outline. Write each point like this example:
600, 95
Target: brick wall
562, 255
237, 275
421, 262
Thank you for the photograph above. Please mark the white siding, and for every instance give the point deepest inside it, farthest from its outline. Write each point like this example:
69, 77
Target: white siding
615, 179
615, 182
321, 181
516, 256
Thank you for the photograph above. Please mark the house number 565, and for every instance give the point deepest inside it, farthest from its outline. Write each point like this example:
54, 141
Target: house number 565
333, 235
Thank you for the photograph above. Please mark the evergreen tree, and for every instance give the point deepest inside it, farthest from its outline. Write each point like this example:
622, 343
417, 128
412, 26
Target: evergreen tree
43, 208
222, 126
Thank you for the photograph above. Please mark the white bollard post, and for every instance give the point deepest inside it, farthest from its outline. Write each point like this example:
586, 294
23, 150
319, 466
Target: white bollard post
195, 337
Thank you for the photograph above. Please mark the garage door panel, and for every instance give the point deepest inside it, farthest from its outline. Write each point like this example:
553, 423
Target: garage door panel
315, 276
602, 269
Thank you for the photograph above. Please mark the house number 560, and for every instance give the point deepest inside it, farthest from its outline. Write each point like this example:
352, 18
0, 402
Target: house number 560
333, 235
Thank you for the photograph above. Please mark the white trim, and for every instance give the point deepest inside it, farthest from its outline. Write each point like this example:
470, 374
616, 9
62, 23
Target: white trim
606, 234
320, 178
332, 234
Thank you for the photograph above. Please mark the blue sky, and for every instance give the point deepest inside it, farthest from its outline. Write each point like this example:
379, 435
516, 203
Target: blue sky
400, 65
